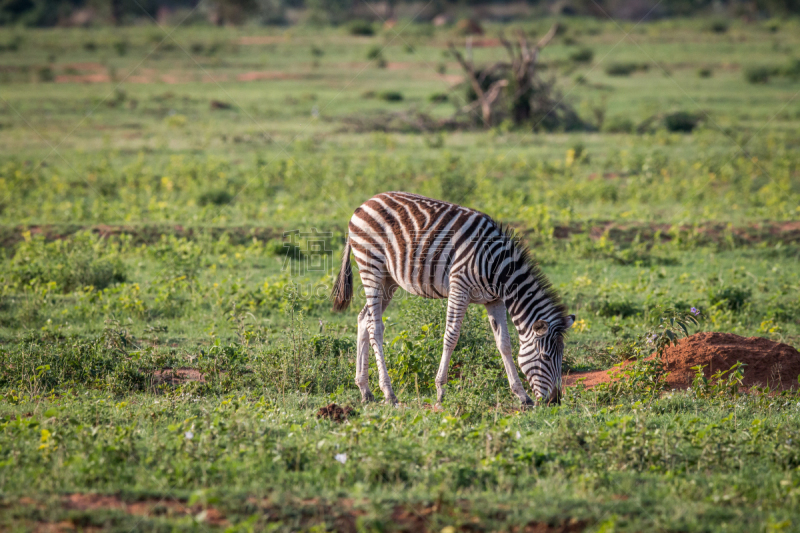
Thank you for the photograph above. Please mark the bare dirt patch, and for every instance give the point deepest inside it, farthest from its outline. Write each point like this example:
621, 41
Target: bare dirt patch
757, 232
767, 363
342, 516
80, 505
259, 75
83, 78
335, 412
176, 376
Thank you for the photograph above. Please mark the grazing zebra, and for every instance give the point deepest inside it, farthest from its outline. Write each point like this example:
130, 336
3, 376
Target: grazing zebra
437, 249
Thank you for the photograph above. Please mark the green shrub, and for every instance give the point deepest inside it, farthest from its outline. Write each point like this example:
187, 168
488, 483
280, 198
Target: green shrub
374, 52
681, 121
215, 197
719, 26
80, 261
704, 72
732, 297
584, 55
624, 69
618, 125
121, 47
622, 309
45, 74
792, 70
758, 74
391, 96
12, 45
361, 27
439, 97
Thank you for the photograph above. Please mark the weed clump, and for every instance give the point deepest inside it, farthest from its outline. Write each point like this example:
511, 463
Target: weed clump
81, 261
719, 26
391, 96
361, 27
45, 74
732, 297
584, 55
758, 74
215, 197
681, 121
622, 309
625, 69
618, 125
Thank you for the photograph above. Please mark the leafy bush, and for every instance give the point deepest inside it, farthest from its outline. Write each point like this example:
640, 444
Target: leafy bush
681, 121
705, 72
361, 27
622, 308
584, 55
45, 74
215, 197
391, 96
731, 297
758, 74
374, 52
624, 69
80, 261
12, 45
439, 97
719, 26
618, 125
792, 70
121, 47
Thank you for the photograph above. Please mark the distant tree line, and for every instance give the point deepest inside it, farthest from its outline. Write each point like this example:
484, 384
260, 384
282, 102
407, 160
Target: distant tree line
121, 12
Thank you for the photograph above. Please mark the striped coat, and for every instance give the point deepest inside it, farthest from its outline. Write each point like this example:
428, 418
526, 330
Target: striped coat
437, 249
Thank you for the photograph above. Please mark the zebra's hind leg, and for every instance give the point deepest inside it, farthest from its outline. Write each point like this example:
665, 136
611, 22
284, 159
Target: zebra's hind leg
497, 319
375, 304
362, 356
457, 303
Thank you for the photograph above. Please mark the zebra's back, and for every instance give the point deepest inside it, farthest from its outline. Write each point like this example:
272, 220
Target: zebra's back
419, 242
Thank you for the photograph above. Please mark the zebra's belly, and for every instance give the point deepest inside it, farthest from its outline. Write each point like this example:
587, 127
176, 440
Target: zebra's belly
435, 290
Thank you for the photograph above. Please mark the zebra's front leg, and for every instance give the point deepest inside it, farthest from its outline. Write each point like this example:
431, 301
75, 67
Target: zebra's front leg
457, 303
497, 319
362, 356
376, 339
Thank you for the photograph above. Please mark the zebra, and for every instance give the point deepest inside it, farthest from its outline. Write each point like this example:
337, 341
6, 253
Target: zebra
437, 249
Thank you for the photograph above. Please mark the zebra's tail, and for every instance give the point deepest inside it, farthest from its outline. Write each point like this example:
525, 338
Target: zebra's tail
343, 288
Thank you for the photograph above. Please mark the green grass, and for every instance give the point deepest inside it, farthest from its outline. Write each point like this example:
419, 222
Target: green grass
142, 232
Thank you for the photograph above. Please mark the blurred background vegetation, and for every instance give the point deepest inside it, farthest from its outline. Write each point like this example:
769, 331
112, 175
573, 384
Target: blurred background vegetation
283, 12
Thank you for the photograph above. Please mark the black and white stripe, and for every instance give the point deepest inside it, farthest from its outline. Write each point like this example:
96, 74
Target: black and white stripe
437, 249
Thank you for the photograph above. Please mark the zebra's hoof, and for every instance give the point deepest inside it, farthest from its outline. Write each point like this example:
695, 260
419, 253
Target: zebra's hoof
527, 403
368, 397
392, 400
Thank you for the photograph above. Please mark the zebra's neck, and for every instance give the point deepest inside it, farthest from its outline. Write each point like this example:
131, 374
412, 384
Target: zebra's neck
530, 299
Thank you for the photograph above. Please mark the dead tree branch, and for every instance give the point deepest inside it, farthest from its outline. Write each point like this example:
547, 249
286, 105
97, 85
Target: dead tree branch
528, 98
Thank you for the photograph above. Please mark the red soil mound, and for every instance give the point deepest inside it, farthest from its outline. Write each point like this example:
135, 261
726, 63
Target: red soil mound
767, 363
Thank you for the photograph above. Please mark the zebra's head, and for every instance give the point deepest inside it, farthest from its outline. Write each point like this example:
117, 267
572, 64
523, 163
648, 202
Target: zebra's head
540, 356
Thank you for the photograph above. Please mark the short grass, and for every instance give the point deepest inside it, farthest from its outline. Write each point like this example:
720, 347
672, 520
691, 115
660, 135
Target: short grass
143, 235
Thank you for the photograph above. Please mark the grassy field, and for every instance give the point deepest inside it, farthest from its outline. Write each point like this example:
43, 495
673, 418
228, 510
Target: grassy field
162, 358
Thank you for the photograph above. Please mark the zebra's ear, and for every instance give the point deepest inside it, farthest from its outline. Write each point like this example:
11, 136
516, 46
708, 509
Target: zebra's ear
569, 321
540, 327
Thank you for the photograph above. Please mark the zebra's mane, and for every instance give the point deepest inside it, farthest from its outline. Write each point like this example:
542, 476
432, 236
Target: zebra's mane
513, 237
